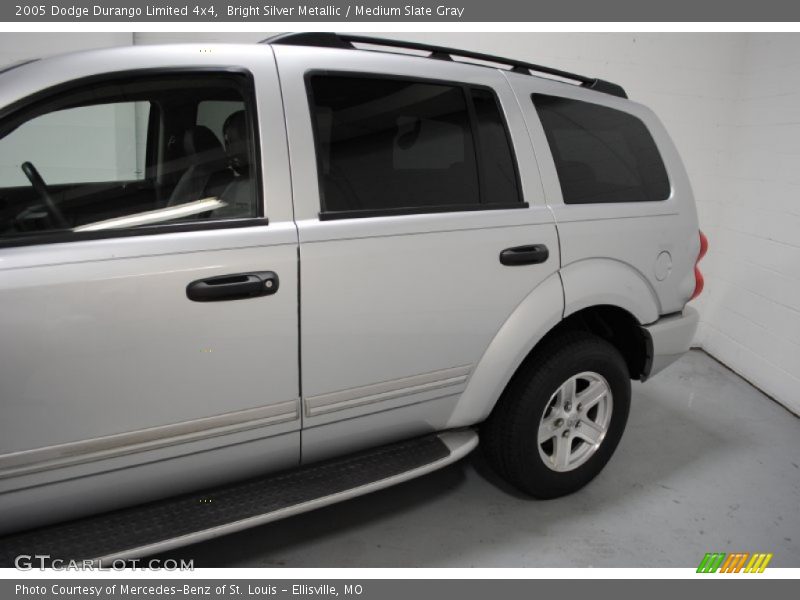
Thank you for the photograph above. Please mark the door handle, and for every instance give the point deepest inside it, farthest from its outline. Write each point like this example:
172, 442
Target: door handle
524, 255
233, 287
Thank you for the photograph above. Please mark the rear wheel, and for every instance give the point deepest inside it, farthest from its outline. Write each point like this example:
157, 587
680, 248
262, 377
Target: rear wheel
561, 417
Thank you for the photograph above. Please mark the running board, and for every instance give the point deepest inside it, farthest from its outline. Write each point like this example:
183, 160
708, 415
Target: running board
174, 522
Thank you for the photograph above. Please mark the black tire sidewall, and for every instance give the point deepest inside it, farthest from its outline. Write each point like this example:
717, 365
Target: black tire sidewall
576, 355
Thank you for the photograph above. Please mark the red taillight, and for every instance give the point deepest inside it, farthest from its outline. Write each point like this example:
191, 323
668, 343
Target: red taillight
703, 246
699, 282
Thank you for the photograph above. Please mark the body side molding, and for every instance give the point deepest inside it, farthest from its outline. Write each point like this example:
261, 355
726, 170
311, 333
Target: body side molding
63, 455
386, 390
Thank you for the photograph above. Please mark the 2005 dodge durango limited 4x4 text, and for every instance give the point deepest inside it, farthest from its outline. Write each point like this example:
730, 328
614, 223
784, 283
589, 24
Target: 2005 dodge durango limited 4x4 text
239, 282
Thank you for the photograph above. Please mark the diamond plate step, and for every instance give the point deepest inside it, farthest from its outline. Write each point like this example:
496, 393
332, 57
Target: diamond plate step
190, 518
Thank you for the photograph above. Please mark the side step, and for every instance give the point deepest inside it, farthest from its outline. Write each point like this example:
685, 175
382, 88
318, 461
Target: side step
174, 522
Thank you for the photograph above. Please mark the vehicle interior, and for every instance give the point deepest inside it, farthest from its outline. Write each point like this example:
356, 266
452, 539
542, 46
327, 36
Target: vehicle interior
127, 154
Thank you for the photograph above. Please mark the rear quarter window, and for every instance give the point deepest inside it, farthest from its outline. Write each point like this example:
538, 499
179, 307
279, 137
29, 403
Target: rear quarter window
601, 154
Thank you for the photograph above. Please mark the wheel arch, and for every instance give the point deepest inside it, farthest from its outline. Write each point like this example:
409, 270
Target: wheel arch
609, 282
535, 322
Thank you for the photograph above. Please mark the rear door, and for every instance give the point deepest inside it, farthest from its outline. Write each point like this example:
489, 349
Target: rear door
411, 179
149, 331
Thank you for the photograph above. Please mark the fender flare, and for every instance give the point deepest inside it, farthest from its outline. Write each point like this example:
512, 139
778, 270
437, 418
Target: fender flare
583, 284
605, 281
540, 311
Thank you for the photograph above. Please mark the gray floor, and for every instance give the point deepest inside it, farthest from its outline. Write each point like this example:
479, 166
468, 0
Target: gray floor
707, 463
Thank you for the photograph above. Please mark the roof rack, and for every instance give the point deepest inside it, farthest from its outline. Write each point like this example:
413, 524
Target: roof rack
347, 42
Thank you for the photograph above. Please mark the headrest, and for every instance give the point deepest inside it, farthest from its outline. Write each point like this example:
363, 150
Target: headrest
236, 143
235, 127
201, 141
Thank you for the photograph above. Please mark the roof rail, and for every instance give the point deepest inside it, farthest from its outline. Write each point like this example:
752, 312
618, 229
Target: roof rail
347, 42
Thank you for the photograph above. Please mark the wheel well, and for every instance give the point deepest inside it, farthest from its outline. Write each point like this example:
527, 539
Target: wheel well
615, 325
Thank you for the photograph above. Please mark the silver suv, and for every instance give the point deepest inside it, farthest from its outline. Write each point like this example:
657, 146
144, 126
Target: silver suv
325, 257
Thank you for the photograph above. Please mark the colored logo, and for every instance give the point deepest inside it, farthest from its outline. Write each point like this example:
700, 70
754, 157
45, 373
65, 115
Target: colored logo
719, 562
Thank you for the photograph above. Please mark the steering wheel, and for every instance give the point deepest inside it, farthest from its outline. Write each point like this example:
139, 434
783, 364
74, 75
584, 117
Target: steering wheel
32, 173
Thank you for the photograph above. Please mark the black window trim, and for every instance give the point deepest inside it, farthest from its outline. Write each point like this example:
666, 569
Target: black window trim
558, 177
43, 97
331, 215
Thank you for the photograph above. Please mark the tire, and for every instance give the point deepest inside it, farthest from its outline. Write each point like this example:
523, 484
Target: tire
531, 406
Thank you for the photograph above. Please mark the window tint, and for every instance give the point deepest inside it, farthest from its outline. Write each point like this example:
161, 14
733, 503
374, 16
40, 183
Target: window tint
601, 154
132, 154
499, 174
402, 146
214, 113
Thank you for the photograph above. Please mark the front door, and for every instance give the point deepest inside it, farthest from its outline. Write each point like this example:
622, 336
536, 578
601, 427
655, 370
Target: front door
148, 309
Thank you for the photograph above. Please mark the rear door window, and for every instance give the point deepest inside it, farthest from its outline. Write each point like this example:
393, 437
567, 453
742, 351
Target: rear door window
401, 146
499, 180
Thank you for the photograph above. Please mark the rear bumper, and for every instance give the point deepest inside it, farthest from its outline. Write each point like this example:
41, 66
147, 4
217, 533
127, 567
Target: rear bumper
668, 339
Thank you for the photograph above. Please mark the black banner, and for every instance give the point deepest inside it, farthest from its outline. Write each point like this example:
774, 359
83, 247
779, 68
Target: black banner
732, 588
276, 11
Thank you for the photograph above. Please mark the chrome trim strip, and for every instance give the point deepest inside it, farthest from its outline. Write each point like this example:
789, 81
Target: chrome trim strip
460, 442
386, 390
25, 462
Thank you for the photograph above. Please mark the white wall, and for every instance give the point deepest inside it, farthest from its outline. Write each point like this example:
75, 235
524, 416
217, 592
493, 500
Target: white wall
22, 46
113, 148
751, 314
730, 102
